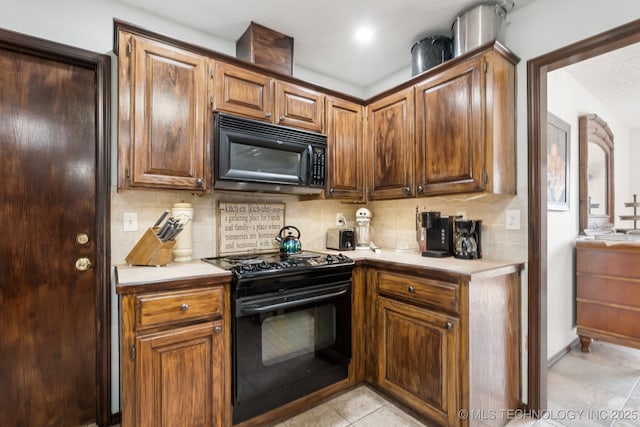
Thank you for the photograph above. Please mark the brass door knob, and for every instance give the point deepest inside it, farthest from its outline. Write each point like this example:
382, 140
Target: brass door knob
83, 264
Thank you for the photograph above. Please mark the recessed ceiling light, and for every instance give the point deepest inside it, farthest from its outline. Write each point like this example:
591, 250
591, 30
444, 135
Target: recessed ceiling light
364, 34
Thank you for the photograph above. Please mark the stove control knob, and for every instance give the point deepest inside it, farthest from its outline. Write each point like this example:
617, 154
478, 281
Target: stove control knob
329, 259
341, 257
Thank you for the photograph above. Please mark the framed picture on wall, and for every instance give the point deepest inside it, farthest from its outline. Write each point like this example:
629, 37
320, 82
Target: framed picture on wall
558, 161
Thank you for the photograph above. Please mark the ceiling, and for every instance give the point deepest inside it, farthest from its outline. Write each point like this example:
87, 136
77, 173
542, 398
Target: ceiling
613, 79
323, 31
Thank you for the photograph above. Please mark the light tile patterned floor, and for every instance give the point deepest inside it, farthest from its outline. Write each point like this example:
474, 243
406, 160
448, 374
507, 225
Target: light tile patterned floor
600, 388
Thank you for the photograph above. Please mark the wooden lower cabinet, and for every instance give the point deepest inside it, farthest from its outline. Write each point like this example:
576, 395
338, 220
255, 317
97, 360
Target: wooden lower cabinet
178, 376
446, 342
418, 358
174, 358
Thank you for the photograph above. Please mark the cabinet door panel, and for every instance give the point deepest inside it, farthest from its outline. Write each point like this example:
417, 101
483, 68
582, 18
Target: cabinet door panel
344, 139
180, 377
450, 143
243, 92
418, 357
391, 146
299, 107
169, 93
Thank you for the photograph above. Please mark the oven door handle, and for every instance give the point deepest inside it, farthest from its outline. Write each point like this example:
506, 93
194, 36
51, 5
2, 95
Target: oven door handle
300, 301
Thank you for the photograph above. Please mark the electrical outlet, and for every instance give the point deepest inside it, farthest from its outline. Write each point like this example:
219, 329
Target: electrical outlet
339, 219
130, 221
513, 219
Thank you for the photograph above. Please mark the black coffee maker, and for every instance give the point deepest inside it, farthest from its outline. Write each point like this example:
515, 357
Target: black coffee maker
437, 234
466, 239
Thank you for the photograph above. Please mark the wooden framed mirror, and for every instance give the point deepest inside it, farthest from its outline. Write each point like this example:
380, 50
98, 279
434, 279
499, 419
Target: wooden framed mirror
596, 208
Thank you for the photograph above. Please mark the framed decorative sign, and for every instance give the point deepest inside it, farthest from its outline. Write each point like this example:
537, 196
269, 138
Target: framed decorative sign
558, 160
248, 227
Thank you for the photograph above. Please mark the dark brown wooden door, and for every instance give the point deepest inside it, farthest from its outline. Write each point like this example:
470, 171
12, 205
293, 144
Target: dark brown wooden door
299, 107
390, 147
48, 125
449, 143
345, 146
169, 116
180, 377
418, 358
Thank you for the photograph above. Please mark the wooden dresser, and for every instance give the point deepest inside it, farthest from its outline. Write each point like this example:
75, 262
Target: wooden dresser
608, 292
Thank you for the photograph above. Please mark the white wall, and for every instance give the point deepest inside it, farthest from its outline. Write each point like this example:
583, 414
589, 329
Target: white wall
634, 136
568, 100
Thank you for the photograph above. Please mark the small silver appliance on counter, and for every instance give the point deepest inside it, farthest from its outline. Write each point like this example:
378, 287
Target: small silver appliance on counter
341, 239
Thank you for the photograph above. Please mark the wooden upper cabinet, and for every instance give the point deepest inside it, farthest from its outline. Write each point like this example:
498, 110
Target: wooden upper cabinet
163, 115
345, 129
258, 96
449, 143
243, 92
465, 127
390, 146
299, 107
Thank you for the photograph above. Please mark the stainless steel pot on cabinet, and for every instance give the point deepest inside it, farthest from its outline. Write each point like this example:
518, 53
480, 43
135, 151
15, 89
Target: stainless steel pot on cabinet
479, 25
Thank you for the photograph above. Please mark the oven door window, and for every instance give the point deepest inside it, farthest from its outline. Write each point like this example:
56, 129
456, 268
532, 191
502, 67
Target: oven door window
297, 334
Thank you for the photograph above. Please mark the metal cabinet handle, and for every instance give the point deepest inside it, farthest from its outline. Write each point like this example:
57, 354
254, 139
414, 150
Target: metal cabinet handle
269, 114
411, 289
331, 191
83, 264
282, 118
217, 329
407, 190
420, 188
448, 325
184, 307
199, 182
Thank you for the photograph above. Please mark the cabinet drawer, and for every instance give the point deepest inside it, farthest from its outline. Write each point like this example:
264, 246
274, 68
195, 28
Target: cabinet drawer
178, 306
437, 294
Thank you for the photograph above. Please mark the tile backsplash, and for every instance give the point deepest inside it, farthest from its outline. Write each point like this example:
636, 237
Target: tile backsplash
393, 221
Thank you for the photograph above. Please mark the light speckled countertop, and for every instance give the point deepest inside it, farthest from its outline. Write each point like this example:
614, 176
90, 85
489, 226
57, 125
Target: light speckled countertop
132, 275
448, 264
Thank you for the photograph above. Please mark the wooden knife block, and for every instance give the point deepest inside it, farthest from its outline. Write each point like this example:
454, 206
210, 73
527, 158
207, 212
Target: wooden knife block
150, 250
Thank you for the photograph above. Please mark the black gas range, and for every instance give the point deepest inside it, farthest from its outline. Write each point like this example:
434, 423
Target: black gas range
256, 274
291, 326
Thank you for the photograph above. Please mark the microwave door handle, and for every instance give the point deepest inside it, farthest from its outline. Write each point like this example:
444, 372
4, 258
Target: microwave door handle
309, 164
288, 304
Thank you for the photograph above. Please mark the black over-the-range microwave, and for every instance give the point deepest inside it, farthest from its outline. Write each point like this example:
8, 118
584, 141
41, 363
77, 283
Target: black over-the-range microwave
255, 156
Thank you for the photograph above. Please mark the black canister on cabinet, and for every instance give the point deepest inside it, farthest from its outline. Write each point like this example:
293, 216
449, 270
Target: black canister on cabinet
429, 52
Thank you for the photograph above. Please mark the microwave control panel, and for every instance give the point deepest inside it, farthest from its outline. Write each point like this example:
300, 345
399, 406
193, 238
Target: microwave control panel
318, 171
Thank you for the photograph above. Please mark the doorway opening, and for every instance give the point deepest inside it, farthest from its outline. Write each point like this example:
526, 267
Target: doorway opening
537, 70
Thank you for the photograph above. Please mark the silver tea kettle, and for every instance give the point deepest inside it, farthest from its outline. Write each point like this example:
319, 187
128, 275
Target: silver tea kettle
289, 244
